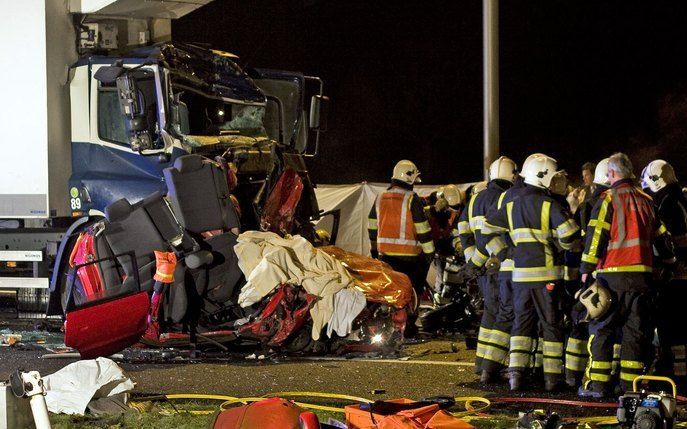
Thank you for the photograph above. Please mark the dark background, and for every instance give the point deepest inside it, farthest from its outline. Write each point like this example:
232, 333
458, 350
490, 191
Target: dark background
579, 79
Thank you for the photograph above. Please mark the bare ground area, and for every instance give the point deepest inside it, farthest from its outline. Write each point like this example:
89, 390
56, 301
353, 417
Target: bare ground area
428, 368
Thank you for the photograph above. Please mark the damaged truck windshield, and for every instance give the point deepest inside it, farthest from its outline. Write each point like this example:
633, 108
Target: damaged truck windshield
198, 115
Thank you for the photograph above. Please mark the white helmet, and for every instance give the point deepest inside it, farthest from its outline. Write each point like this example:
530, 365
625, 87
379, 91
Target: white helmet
601, 173
406, 171
503, 168
452, 194
596, 299
539, 171
527, 161
479, 187
657, 175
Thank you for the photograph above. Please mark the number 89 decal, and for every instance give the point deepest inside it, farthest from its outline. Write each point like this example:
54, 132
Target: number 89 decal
75, 201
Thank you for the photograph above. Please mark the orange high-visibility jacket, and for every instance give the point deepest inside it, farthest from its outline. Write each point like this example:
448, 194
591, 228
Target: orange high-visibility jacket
397, 224
621, 232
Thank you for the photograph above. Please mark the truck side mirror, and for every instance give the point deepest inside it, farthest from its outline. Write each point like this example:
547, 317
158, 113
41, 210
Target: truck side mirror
133, 107
318, 112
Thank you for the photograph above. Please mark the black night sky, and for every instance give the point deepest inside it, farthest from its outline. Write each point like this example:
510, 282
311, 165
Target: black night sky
579, 79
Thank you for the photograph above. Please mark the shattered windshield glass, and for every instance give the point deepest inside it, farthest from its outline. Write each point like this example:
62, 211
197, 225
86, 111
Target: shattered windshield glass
204, 116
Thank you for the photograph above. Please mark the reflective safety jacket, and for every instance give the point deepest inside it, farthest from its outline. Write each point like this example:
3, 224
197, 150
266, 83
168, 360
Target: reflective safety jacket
671, 207
621, 231
502, 238
397, 225
472, 222
536, 224
584, 212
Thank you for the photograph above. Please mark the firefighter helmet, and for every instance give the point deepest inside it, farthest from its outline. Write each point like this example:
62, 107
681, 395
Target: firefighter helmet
527, 161
539, 171
657, 175
405, 171
503, 168
596, 299
601, 173
478, 187
452, 194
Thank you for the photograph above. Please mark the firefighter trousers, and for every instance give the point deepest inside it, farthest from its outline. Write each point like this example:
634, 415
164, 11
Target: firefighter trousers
630, 317
536, 305
499, 338
415, 267
671, 332
490, 353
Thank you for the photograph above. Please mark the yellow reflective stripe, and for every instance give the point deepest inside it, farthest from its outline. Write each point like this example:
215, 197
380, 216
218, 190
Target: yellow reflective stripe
576, 346
398, 254
499, 337
521, 342
371, 223
464, 227
494, 353
567, 228
604, 378
575, 363
478, 258
536, 274
529, 235
509, 212
590, 259
553, 366
422, 227
164, 278
553, 348
633, 364
507, 265
596, 237
627, 269
496, 245
545, 215
601, 223
427, 247
477, 222
661, 230
468, 252
597, 364
500, 201
488, 229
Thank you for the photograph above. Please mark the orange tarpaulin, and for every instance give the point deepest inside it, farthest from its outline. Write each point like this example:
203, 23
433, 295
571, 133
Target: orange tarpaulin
422, 417
376, 279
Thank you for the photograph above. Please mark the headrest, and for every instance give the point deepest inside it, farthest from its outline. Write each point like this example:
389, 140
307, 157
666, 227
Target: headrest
154, 197
119, 210
188, 163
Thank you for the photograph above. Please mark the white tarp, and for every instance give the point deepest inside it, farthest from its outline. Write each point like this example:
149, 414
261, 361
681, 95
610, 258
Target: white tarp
355, 202
70, 389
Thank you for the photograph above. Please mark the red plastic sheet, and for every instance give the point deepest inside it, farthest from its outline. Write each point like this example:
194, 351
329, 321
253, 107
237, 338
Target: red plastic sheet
376, 279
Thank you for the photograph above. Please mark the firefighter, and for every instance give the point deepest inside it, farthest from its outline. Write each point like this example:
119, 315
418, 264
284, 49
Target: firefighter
492, 347
671, 207
400, 233
504, 318
443, 210
534, 220
576, 353
618, 248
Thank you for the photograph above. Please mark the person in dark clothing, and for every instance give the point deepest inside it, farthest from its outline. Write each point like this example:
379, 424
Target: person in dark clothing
659, 179
535, 221
620, 240
492, 346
